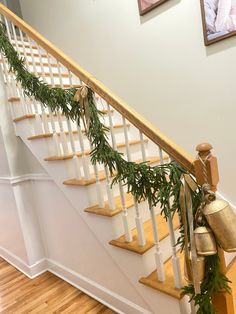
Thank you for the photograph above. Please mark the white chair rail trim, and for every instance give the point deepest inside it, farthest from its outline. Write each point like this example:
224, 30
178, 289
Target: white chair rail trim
25, 177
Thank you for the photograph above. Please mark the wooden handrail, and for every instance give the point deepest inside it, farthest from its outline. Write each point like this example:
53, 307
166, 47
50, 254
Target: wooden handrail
175, 151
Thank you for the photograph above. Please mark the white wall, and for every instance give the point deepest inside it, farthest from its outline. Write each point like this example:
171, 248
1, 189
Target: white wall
158, 63
14, 5
11, 237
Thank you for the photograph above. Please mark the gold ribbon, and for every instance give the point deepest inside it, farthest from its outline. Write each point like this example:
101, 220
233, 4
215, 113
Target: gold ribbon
187, 218
81, 96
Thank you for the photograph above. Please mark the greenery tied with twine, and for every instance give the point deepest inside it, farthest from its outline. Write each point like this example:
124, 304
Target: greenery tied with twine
157, 185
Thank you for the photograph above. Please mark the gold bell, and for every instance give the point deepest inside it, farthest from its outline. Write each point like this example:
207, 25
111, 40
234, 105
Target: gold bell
205, 241
188, 270
222, 220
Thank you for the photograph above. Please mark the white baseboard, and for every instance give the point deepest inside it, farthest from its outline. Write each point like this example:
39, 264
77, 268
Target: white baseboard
109, 298
105, 296
30, 271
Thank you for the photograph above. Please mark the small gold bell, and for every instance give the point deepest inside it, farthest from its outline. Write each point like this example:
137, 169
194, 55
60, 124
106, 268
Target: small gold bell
188, 273
222, 220
205, 241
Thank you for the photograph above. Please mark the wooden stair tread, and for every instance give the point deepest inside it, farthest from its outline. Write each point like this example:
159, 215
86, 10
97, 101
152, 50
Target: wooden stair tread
45, 64
134, 246
65, 157
84, 182
50, 134
65, 85
87, 152
32, 116
106, 211
167, 287
26, 116
36, 137
13, 99
17, 99
25, 45
47, 74
35, 54
37, 63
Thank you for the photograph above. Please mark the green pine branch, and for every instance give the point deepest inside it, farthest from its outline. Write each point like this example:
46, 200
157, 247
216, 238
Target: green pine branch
214, 281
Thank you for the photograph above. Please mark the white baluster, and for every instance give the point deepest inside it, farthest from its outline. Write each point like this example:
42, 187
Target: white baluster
26, 109
83, 155
75, 157
127, 229
175, 258
84, 158
109, 190
6, 73
63, 138
6, 77
15, 90
57, 149
158, 254
144, 157
138, 218
43, 112
26, 100
38, 123
71, 136
110, 196
100, 197
53, 125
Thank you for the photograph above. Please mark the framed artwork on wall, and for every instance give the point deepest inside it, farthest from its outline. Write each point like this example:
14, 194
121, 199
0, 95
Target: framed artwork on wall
147, 5
218, 19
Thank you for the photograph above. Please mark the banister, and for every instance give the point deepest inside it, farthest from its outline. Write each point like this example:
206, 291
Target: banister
154, 134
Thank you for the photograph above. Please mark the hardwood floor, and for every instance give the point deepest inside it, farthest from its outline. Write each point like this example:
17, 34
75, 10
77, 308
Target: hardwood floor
231, 274
44, 294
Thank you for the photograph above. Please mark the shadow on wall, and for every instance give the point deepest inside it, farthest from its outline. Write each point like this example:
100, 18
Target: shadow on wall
13, 5
221, 46
158, 10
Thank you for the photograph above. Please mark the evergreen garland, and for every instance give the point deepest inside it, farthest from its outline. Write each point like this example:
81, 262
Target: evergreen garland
156, 184
214, 281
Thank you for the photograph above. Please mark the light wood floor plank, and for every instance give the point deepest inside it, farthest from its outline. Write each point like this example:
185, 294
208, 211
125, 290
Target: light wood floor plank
44, 294
231, 274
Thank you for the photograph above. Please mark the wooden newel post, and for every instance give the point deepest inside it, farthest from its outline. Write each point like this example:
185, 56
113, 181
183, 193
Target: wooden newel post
206, 171
205, 157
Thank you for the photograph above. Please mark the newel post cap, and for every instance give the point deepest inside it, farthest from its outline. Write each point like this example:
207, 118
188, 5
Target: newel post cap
204, 147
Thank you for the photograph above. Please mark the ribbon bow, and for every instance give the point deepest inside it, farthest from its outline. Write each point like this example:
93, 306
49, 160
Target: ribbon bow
81, 96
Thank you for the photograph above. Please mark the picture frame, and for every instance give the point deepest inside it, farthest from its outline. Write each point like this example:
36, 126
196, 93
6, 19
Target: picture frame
218, 20
147, 5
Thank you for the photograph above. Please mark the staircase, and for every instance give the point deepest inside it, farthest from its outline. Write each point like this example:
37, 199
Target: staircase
134, 235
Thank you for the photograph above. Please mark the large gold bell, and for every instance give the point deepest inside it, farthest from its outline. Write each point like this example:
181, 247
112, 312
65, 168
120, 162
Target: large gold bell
222, 220
205, 241
188, 270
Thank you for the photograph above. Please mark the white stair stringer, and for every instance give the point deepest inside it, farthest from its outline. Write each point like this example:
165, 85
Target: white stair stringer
132, 265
